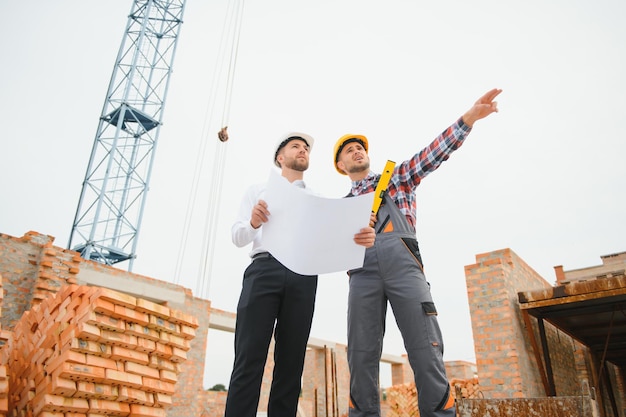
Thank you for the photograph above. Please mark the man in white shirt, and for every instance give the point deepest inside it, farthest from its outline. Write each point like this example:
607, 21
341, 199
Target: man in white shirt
273, 300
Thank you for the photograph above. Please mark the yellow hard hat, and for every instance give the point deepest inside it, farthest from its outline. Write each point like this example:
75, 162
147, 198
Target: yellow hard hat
343, 141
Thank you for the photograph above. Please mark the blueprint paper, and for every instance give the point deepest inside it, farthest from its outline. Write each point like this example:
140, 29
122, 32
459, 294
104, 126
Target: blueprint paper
313, 235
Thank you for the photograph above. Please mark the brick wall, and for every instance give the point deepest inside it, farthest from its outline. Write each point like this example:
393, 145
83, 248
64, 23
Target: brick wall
504, 357
23, 273
214, 403
326, 381
402, 373
460, 370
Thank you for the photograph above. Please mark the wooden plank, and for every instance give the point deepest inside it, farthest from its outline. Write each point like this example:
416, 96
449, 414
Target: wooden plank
572, 299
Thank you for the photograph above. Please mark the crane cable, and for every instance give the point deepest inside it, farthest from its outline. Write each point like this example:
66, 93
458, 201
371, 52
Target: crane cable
230, 32
210, 228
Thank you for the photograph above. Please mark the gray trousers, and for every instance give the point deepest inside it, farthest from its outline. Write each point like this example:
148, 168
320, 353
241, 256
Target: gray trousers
392, 273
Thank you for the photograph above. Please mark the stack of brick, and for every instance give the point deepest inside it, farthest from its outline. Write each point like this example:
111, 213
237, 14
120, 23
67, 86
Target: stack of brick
466, 388
402, 401
96, 352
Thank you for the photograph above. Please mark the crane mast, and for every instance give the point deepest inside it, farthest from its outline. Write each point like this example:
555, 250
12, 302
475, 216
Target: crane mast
110, 208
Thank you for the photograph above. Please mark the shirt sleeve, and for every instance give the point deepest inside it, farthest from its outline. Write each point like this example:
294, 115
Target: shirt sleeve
412, 171
242, 231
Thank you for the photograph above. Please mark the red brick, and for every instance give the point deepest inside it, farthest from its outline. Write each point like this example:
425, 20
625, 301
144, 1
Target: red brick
156, 385
87, 331
60, 404
105, 322
118, 339
122, 378
134, 316
67, 356
90, 347
108, 408
151, 308
174, 341
137, 410
96, 390
143, 370
182, 318
145, 345
77, 372
136, 396
115, 297
142, 331
108, 363
168, 376
61, 386
129, 355
162, 400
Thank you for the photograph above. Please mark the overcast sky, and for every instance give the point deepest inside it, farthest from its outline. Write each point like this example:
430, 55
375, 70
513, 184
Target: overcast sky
546, 176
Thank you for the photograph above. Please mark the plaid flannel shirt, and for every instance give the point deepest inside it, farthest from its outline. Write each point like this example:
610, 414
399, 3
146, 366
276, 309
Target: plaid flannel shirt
408, 175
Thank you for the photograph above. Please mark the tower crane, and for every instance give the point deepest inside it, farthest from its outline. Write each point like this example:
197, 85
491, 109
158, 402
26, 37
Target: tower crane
113, 195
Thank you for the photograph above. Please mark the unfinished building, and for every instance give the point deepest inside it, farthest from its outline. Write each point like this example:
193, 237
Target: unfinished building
541, 349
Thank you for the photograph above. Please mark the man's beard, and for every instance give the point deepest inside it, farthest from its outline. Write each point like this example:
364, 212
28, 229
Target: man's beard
358, 168
296, 164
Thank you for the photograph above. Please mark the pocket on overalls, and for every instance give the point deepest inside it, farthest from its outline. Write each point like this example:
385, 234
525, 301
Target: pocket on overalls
413, 248
432, 326
429, 308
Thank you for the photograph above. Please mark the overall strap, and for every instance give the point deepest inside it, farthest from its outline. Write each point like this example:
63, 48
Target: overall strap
391, 220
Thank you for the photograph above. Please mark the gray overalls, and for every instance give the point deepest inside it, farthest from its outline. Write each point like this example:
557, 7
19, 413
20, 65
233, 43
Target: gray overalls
393, 272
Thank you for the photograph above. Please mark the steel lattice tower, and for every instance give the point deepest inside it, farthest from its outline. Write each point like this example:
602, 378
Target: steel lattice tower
113, 195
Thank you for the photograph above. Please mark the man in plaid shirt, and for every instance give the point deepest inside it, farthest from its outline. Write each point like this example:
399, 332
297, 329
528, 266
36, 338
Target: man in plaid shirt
392, 271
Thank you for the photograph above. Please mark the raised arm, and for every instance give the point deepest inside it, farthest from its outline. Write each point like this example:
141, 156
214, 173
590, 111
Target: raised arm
483, 107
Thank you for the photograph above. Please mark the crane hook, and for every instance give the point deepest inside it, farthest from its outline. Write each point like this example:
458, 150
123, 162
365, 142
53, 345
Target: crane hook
223, 134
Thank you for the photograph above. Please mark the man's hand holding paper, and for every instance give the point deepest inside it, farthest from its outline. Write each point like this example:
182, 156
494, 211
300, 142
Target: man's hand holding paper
313, 235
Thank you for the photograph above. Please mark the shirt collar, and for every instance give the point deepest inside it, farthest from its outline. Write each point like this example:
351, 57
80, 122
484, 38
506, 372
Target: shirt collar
370, 176
299, 183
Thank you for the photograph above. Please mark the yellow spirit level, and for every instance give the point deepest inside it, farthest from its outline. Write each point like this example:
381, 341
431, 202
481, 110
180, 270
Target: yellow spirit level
383, 182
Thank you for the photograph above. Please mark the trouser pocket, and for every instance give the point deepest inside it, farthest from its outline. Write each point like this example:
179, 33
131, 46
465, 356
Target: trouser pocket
429, 308
432, 326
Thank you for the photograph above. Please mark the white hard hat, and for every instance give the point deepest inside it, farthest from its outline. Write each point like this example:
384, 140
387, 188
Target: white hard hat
288, 137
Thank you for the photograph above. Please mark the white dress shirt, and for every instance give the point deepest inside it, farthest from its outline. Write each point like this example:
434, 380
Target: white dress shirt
242, 231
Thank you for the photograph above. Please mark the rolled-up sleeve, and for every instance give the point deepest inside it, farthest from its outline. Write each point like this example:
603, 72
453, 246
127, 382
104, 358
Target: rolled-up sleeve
426, 161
